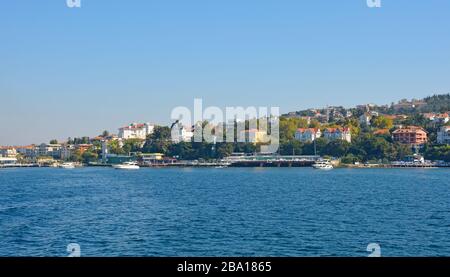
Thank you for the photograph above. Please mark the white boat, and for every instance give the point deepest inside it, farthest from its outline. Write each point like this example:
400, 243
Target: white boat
127, 165
67, 165
323, 164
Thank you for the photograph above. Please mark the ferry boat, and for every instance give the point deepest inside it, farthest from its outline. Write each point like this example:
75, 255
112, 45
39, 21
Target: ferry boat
323, 164
67, 165
127, 165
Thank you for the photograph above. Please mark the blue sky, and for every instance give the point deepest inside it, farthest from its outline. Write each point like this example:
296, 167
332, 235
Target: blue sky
73, 72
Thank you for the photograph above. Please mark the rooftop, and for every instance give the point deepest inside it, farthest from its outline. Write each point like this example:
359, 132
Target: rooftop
409, 129
334, 130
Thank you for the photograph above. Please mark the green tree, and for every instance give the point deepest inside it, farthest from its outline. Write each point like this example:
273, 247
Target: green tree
53, 141
83, 140
368, 147
438, 152
354, 126
288, 127
76, 156
114, 148
319, 144
161, 133
314, 123
132, 145
401, 151
159, 141
182, 150
243, 147
337, 148
293, 147
89, 156
416, 120
350, 159
382, 122
224, 150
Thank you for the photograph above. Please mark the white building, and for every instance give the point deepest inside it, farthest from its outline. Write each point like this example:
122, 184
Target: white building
338, 134
5, 162
365, 118
309, 134
29, 151
437, 118
50, 150
443, 136
181, 133
66, 151
442, 118
8, 152
136, 131
374, 113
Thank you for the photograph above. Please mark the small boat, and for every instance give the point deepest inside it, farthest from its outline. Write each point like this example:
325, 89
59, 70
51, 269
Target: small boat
323, 164
67, 165
127, 165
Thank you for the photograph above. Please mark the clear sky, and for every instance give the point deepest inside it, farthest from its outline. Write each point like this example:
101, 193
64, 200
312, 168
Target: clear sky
73, 72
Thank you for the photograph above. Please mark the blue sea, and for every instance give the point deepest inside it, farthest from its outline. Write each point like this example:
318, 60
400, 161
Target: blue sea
224, 212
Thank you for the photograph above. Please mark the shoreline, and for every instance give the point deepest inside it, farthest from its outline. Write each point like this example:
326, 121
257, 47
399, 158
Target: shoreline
342, 166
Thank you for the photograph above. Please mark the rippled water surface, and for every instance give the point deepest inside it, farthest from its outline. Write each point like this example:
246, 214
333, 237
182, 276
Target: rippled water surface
224, 212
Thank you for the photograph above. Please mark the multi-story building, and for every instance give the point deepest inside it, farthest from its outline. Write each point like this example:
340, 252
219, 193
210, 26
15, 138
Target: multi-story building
136, 130
308, 134
28, 151
66, 151
182, 134
8, 152
50, 150
5, 162
365, 119
412, 135
338, 134
443, 136
83, 147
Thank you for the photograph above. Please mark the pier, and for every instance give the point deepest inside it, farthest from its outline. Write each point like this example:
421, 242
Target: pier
261, 160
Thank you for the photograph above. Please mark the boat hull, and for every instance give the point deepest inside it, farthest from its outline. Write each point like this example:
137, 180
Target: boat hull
126, 167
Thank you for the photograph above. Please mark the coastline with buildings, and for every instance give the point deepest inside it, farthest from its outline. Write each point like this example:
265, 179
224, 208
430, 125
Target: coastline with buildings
408, 134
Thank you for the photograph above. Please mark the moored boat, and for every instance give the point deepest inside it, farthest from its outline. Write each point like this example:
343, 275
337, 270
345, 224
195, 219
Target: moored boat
67, 165
127, 166
323, 164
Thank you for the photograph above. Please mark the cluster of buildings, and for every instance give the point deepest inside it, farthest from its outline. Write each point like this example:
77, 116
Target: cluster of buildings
437, 118
366, 118
64, 151
182, 134
143, 130
55, 151
411, 135
136, 131
443, 136
331, 134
